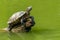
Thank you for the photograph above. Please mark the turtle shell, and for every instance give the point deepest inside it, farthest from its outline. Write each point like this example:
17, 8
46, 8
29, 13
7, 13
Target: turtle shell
16, 16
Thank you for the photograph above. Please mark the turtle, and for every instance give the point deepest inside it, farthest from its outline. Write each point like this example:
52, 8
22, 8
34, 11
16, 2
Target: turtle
16, 18
18, 15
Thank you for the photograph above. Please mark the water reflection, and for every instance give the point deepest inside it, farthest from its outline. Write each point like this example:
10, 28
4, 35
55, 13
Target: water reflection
21, 36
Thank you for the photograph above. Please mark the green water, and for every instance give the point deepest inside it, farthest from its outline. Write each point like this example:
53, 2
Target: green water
47, 18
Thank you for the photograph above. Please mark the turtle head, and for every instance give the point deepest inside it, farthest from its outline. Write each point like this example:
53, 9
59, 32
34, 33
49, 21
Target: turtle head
29, 9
